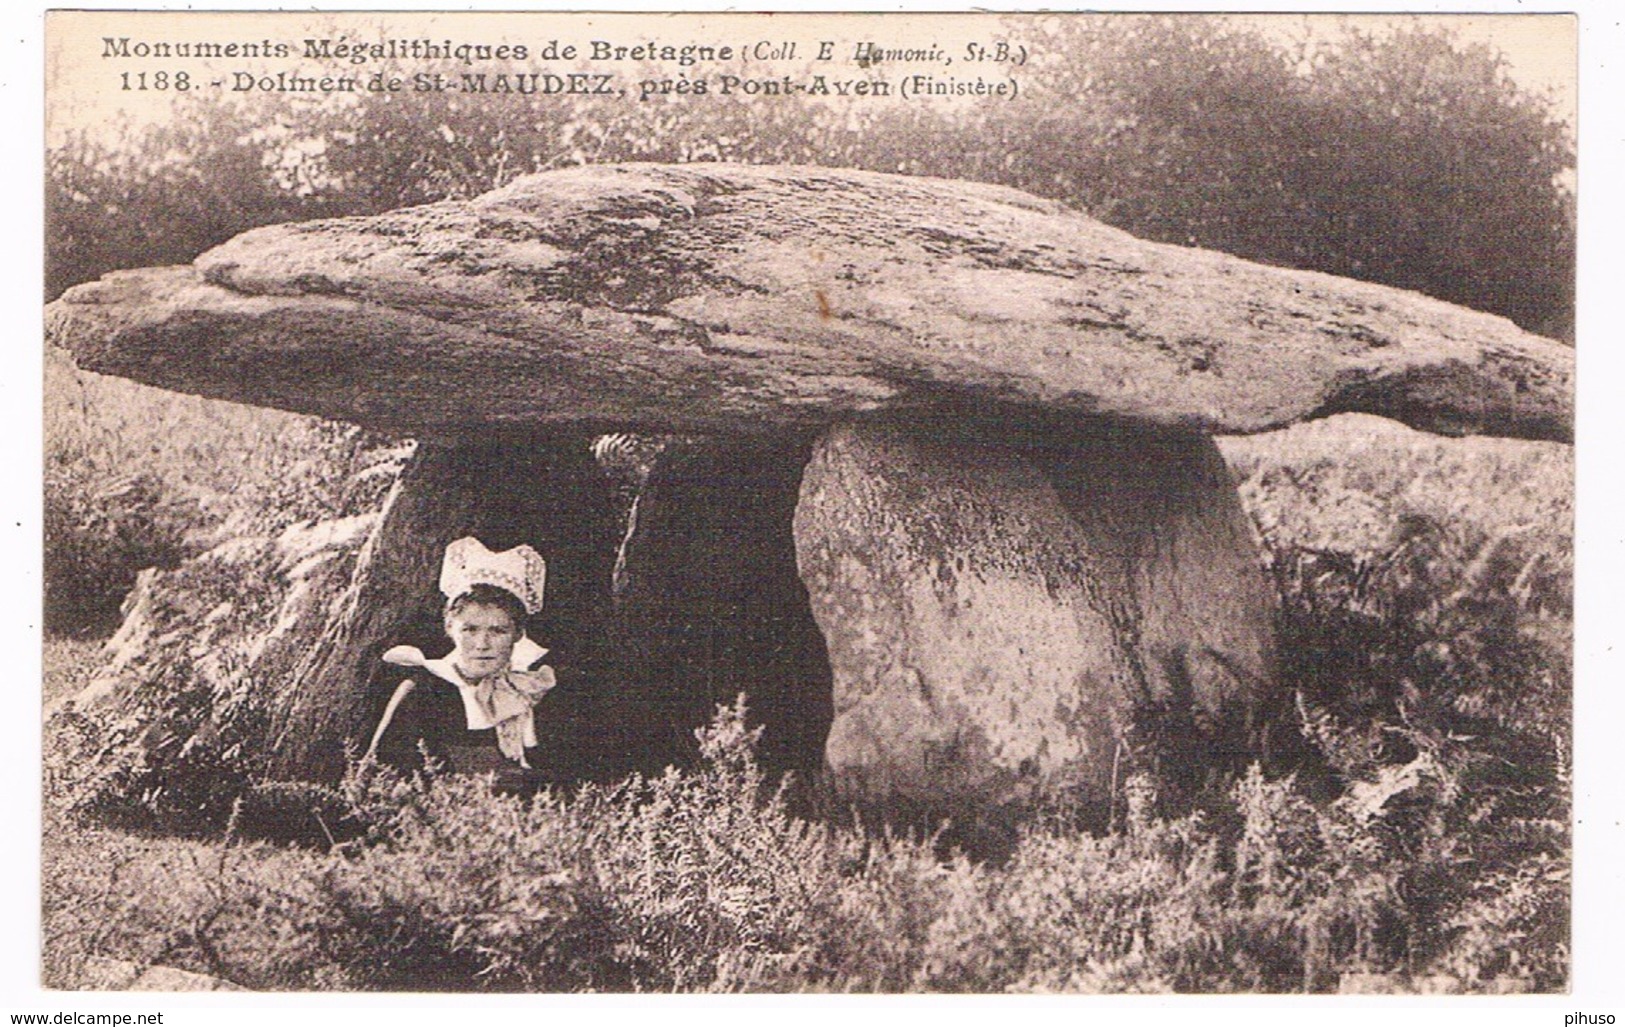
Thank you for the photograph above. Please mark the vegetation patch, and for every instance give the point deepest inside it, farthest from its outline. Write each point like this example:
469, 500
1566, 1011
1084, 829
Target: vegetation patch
704, 881
1409, 823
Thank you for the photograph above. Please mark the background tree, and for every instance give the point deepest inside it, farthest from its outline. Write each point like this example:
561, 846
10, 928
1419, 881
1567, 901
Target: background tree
163, 193
1409, 158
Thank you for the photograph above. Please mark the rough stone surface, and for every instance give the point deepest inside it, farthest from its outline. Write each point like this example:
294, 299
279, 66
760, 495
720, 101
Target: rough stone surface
121, 657
1161, 512
547, 493
103, 974
316, 560
711, 605
706, 298
1000, 631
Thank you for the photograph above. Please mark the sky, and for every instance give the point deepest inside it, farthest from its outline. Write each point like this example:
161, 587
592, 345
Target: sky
1540, 51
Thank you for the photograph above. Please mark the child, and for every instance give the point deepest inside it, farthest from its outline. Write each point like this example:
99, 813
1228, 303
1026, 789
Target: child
476, 715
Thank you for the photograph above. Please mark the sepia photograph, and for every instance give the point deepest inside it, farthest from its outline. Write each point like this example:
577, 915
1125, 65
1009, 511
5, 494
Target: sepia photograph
1065, 504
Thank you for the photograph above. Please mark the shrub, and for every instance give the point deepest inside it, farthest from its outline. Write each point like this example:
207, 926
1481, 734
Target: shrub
98, 536
185, 730
1429, 690
1411, 820
704, 881
175, 758
137, 477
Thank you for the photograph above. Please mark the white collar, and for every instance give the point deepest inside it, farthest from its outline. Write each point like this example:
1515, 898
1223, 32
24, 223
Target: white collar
480, 716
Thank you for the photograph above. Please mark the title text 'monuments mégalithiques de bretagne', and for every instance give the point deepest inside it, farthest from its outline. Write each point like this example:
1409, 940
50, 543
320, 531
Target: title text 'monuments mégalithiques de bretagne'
864, 53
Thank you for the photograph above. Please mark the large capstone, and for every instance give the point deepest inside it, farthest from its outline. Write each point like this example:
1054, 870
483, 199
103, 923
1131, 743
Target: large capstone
1015, 536
1010, 626
716, 298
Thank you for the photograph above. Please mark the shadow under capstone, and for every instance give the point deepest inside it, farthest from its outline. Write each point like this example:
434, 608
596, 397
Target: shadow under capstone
710, 604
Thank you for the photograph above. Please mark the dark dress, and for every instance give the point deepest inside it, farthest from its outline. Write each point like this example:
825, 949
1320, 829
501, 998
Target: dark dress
431, 720
432, 714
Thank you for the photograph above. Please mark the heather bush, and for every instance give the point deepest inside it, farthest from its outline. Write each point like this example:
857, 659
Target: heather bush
1408, 823
704, 880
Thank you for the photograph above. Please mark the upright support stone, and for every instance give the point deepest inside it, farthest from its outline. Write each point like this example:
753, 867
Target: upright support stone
711, 605
996, 640
1162, 506
972, 638
1002, 620
545, 492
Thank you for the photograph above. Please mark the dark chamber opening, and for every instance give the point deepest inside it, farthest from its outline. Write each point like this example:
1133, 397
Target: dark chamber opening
710, 604
707, 601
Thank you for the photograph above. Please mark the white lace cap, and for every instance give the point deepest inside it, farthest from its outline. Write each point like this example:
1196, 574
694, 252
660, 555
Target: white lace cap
521, 570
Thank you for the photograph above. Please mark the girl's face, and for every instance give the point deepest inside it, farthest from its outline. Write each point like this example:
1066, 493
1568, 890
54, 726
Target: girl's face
484, 637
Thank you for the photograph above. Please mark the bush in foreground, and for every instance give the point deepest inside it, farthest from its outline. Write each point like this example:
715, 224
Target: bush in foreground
1409, 825
705, 881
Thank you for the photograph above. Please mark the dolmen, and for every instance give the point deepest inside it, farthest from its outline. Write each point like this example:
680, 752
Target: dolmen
940, 492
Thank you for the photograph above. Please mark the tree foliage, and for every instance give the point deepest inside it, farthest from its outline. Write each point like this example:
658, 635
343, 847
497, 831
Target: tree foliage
1409, 158
164, 193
